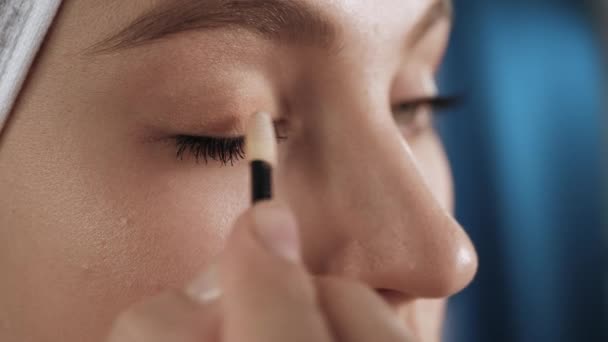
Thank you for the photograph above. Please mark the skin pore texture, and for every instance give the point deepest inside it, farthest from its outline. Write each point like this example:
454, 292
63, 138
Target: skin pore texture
96, 211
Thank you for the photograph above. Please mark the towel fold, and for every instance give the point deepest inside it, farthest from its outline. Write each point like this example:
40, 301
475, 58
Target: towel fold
23, 26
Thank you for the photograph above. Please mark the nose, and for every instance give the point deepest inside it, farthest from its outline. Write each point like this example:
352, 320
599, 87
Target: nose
365, 209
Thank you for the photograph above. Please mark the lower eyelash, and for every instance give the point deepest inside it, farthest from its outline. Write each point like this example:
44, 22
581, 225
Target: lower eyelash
222, 149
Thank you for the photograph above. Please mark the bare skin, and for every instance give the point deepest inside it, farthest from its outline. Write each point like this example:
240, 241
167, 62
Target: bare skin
102, 228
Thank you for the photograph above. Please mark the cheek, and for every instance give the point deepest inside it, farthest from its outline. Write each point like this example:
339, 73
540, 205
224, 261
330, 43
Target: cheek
434, 167
170, 221
109, 221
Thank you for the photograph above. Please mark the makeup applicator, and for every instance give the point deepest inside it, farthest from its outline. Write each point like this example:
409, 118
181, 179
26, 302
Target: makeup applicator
261, 151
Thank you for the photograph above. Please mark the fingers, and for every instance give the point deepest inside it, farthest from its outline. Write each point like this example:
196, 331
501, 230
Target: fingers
266, 296
266, 293
357, 314
172, 316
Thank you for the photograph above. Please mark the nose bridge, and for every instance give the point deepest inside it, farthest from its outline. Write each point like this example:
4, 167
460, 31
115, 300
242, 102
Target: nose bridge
365, 199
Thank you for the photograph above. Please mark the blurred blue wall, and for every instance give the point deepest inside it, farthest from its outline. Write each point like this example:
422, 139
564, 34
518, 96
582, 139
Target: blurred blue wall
525, 150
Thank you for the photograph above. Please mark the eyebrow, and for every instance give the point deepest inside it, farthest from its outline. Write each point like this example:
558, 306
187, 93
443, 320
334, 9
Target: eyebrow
279, 20
441, 9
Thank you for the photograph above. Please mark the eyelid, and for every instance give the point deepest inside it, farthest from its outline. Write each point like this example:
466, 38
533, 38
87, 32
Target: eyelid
436, 102
223, 149
280, 125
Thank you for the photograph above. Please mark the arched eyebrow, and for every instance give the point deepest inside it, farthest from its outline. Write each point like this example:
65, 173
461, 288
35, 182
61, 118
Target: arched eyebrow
438, 10
278, 20
285, 21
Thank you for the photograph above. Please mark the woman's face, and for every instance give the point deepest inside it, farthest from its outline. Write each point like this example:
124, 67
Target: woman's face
98, 209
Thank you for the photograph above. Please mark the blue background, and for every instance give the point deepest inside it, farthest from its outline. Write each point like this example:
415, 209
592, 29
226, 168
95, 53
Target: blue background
526, 153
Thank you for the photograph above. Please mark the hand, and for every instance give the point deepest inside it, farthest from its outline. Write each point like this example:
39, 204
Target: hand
267, 296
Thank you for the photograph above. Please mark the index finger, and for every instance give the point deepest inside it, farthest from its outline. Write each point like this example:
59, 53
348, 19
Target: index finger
267, 294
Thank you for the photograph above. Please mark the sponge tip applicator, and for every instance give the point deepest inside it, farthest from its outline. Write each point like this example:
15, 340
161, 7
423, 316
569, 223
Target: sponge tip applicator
260, 141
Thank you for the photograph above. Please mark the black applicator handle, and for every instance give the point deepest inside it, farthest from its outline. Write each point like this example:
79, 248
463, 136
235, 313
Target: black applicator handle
261, 181
261, 150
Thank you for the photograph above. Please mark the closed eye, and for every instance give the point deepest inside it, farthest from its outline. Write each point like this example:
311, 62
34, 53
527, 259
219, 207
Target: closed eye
226, 150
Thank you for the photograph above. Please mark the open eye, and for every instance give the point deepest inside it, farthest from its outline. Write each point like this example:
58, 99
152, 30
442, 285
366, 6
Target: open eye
416, 115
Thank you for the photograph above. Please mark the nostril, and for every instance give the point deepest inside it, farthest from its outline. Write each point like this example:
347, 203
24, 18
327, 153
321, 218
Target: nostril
392, 297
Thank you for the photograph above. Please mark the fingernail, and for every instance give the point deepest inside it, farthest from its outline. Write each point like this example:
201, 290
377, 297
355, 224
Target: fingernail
276, 229
205, 287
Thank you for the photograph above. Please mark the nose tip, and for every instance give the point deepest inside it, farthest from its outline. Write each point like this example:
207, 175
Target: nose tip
432, 260
441, 260
449, 270
437, 269
445, 273
419, 253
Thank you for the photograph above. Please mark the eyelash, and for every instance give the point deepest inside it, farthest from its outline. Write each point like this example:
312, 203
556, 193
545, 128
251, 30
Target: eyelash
228, 150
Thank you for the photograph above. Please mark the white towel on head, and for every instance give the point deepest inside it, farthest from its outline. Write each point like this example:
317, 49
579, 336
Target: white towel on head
23, 26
